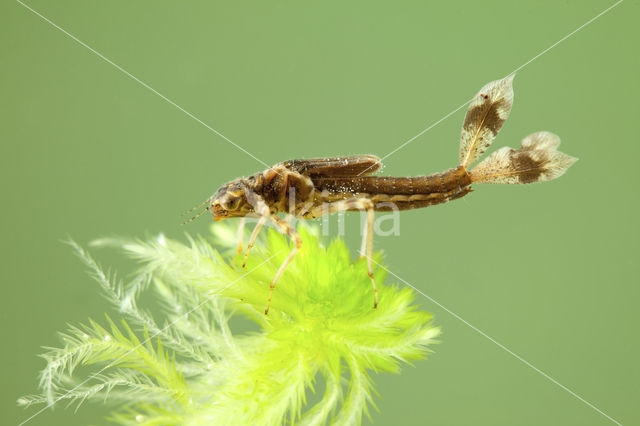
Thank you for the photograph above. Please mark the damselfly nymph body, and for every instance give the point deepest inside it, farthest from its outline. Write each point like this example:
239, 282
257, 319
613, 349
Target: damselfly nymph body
311, 188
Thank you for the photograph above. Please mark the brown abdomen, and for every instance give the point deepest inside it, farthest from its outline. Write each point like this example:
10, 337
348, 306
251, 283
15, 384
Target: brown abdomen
440, 182
404, 192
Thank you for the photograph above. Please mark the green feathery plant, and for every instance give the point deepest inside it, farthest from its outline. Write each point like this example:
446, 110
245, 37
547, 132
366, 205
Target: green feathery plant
190, 369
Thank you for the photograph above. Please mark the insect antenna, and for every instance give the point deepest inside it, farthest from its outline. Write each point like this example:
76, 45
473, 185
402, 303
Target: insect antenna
196, 216
193, 208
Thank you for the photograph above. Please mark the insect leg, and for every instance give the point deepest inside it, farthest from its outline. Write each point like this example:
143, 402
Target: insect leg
254, 235
369, 253
363, 245
286, 228
367, 241
241, 233
261, 209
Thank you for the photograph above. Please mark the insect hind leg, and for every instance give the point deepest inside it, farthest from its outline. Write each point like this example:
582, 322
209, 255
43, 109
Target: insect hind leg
366, 248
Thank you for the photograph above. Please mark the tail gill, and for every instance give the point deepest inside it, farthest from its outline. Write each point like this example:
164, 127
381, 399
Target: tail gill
537, 160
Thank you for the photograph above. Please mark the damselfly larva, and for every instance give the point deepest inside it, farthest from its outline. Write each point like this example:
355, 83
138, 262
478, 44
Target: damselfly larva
310, 188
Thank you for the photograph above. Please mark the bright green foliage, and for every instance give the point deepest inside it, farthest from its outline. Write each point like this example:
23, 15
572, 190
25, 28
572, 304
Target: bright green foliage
190, 369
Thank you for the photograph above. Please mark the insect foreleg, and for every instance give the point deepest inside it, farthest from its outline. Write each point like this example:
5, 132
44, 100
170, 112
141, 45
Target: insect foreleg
241, 233
285, 228
263, 210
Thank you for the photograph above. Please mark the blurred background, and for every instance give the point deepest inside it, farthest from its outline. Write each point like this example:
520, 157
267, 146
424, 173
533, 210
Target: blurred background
550, 271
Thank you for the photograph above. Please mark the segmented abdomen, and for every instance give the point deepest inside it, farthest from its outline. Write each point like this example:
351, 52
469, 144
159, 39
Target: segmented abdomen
403, 192
437, 183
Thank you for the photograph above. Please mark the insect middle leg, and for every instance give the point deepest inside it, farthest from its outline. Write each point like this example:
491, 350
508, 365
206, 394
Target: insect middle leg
286, 228
367, 238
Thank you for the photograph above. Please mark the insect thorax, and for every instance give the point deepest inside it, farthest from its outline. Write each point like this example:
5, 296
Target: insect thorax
285, 191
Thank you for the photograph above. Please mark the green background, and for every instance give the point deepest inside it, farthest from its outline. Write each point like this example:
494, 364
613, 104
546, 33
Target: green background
550, 270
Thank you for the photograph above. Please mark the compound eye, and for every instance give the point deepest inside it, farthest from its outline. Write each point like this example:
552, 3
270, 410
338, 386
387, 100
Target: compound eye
233, 204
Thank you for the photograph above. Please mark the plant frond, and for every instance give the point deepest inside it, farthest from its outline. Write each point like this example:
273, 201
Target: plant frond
193, 367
